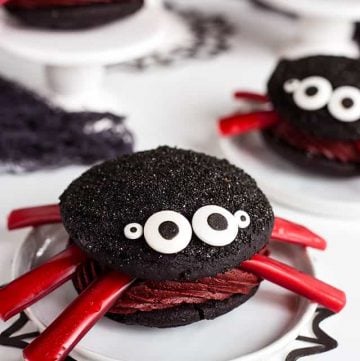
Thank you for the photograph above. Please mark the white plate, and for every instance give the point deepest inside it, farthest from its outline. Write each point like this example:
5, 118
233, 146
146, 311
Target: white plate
258, 329
348, 9
290, 185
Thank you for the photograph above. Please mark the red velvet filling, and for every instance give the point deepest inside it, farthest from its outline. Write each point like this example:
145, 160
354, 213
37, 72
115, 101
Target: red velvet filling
342, 151
157, 295
33, 4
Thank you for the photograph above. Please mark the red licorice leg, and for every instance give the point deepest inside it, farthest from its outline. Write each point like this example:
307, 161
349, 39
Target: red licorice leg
30, 287
252, 97
34, 216
57, 341
289, 232
242, 123
296, 281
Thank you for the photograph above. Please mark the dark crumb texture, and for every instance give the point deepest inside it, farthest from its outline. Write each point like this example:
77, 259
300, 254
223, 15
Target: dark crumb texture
35, 135
97, 206
305, 160
184, 314
75, 17
340, 71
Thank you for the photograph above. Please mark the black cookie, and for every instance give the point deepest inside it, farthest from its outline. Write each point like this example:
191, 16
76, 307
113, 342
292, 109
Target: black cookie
339, 71
184, 314
97, 206
308, 161
75, 17
36, 135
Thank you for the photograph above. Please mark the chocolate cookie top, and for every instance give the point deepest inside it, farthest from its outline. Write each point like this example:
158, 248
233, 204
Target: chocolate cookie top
71, 14
319, 94
167, 214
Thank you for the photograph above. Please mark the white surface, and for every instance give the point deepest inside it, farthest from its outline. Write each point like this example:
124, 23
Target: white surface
179, 106
285, 313
325, 25
291, 185
348, 9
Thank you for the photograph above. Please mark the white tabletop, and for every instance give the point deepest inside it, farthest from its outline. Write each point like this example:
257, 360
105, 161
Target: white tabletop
346, 9
179, 106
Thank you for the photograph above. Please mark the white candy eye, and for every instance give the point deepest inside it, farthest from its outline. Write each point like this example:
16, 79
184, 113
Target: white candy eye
345, 104
243, 219
167, 232
291, 85
215, 225
133, 231
313, 93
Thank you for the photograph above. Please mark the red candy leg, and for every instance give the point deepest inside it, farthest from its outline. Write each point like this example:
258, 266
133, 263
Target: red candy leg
252, 97
57, 341
289, 232
243, 123
34, 216
296, 281
30, 287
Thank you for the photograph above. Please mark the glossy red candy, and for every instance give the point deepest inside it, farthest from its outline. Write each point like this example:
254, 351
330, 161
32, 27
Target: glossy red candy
58, 339
32, 286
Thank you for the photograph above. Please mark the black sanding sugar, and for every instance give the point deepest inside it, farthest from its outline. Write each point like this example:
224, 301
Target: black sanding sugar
97, 206
75, 17
340, 71
36, 135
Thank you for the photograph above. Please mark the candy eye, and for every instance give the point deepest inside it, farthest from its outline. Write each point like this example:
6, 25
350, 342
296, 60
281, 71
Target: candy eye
313, 93
133, 231
243, 219
291, 85
215, 226
345, 104
167, 232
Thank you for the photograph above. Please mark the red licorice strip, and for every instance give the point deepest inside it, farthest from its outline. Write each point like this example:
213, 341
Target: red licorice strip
252, 97
59, 338
30, 287
243, 123
34, 216
296, 281
289, 232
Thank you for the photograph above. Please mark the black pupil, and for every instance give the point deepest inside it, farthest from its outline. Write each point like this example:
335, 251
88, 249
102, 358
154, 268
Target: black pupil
242, 218
133, 229
217, 222
347, 103
311, 91
168, 230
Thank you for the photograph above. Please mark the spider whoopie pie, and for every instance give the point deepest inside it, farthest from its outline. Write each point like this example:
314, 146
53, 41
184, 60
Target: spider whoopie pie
315, 120
71, 14
160, 238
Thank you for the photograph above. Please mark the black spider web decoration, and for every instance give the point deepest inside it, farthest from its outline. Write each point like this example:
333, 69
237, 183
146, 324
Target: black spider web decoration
37, 135
322, 341
211, 36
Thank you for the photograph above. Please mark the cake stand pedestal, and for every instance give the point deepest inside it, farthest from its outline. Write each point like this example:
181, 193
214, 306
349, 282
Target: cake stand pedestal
75, 61
325, 26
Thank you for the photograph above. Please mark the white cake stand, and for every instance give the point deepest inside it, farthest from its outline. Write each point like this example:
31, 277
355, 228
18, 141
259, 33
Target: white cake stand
75, 61
325, 26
